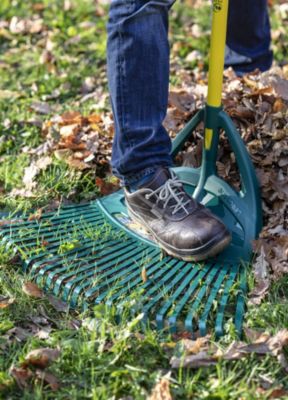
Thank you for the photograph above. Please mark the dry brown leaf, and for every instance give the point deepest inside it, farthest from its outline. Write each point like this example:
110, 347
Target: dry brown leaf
36, 216
280, 86
21, 375
58, 304
29, 174
41, 108
63, 154
41, 358
71, 117
195, 346
183, 335
161, 391
241, 112
32, 290
278, 105
252, 334
106, 187
77, 164
94, 119
278, 393
69, 130
70, 143
48, 378
182, 101
9, 94
43, 162
202, 359
22, 26
144, 275
38, 7
265, 344
18, 334
6, 302
260, 269
73, 324
43, 333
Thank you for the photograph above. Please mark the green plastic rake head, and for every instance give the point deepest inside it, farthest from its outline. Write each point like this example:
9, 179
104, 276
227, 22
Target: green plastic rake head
93, 254
76, 255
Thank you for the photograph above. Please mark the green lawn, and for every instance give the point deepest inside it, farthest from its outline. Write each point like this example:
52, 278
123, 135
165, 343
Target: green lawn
52, 60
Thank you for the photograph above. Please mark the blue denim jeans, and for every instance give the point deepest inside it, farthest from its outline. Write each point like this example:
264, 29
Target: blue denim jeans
138, 75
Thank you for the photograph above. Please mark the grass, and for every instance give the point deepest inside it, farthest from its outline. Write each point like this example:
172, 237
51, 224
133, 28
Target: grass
99, 358
114, 361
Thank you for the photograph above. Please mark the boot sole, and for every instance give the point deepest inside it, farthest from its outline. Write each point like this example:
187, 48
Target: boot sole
199, 254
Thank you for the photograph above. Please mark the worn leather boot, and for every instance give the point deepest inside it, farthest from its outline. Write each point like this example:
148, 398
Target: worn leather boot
180, 225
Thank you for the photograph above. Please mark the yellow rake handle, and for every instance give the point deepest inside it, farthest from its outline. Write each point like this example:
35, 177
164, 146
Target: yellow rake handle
217, 52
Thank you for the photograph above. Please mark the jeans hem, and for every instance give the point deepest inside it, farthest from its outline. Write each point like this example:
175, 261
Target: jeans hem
131, 179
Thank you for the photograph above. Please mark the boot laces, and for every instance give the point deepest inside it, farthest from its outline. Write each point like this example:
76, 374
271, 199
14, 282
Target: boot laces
172, 189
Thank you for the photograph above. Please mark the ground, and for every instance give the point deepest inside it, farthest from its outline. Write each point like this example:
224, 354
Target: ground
53, 87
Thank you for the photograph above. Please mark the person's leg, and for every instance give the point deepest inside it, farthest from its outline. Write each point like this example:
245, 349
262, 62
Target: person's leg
138, 74
248, 34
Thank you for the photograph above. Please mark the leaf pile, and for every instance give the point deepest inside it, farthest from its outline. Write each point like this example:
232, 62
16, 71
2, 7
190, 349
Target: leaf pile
265, 96
82, 142
258, 106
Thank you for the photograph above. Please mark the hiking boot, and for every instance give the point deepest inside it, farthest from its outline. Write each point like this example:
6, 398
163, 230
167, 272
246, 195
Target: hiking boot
181, 226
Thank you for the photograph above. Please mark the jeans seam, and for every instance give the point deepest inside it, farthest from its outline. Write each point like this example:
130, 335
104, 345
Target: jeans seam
121, 71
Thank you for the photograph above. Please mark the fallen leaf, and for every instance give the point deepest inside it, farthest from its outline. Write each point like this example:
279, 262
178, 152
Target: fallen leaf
182, 335
278, 393
69, 130
63, 154
22, 26
202, 359
280, 86
43, 162
29, 174
261, 274
252, 334
194, 346
77, 164
94, 119
9, 94
70, 118
48, 378
6, 301
32, 290
39, 320
73, 324
182, 101
43, 333
41, 108
161, 391
17, 333
41, 357
144, 275
106, 187
36, 216
265, 344
21, 375
58, 304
